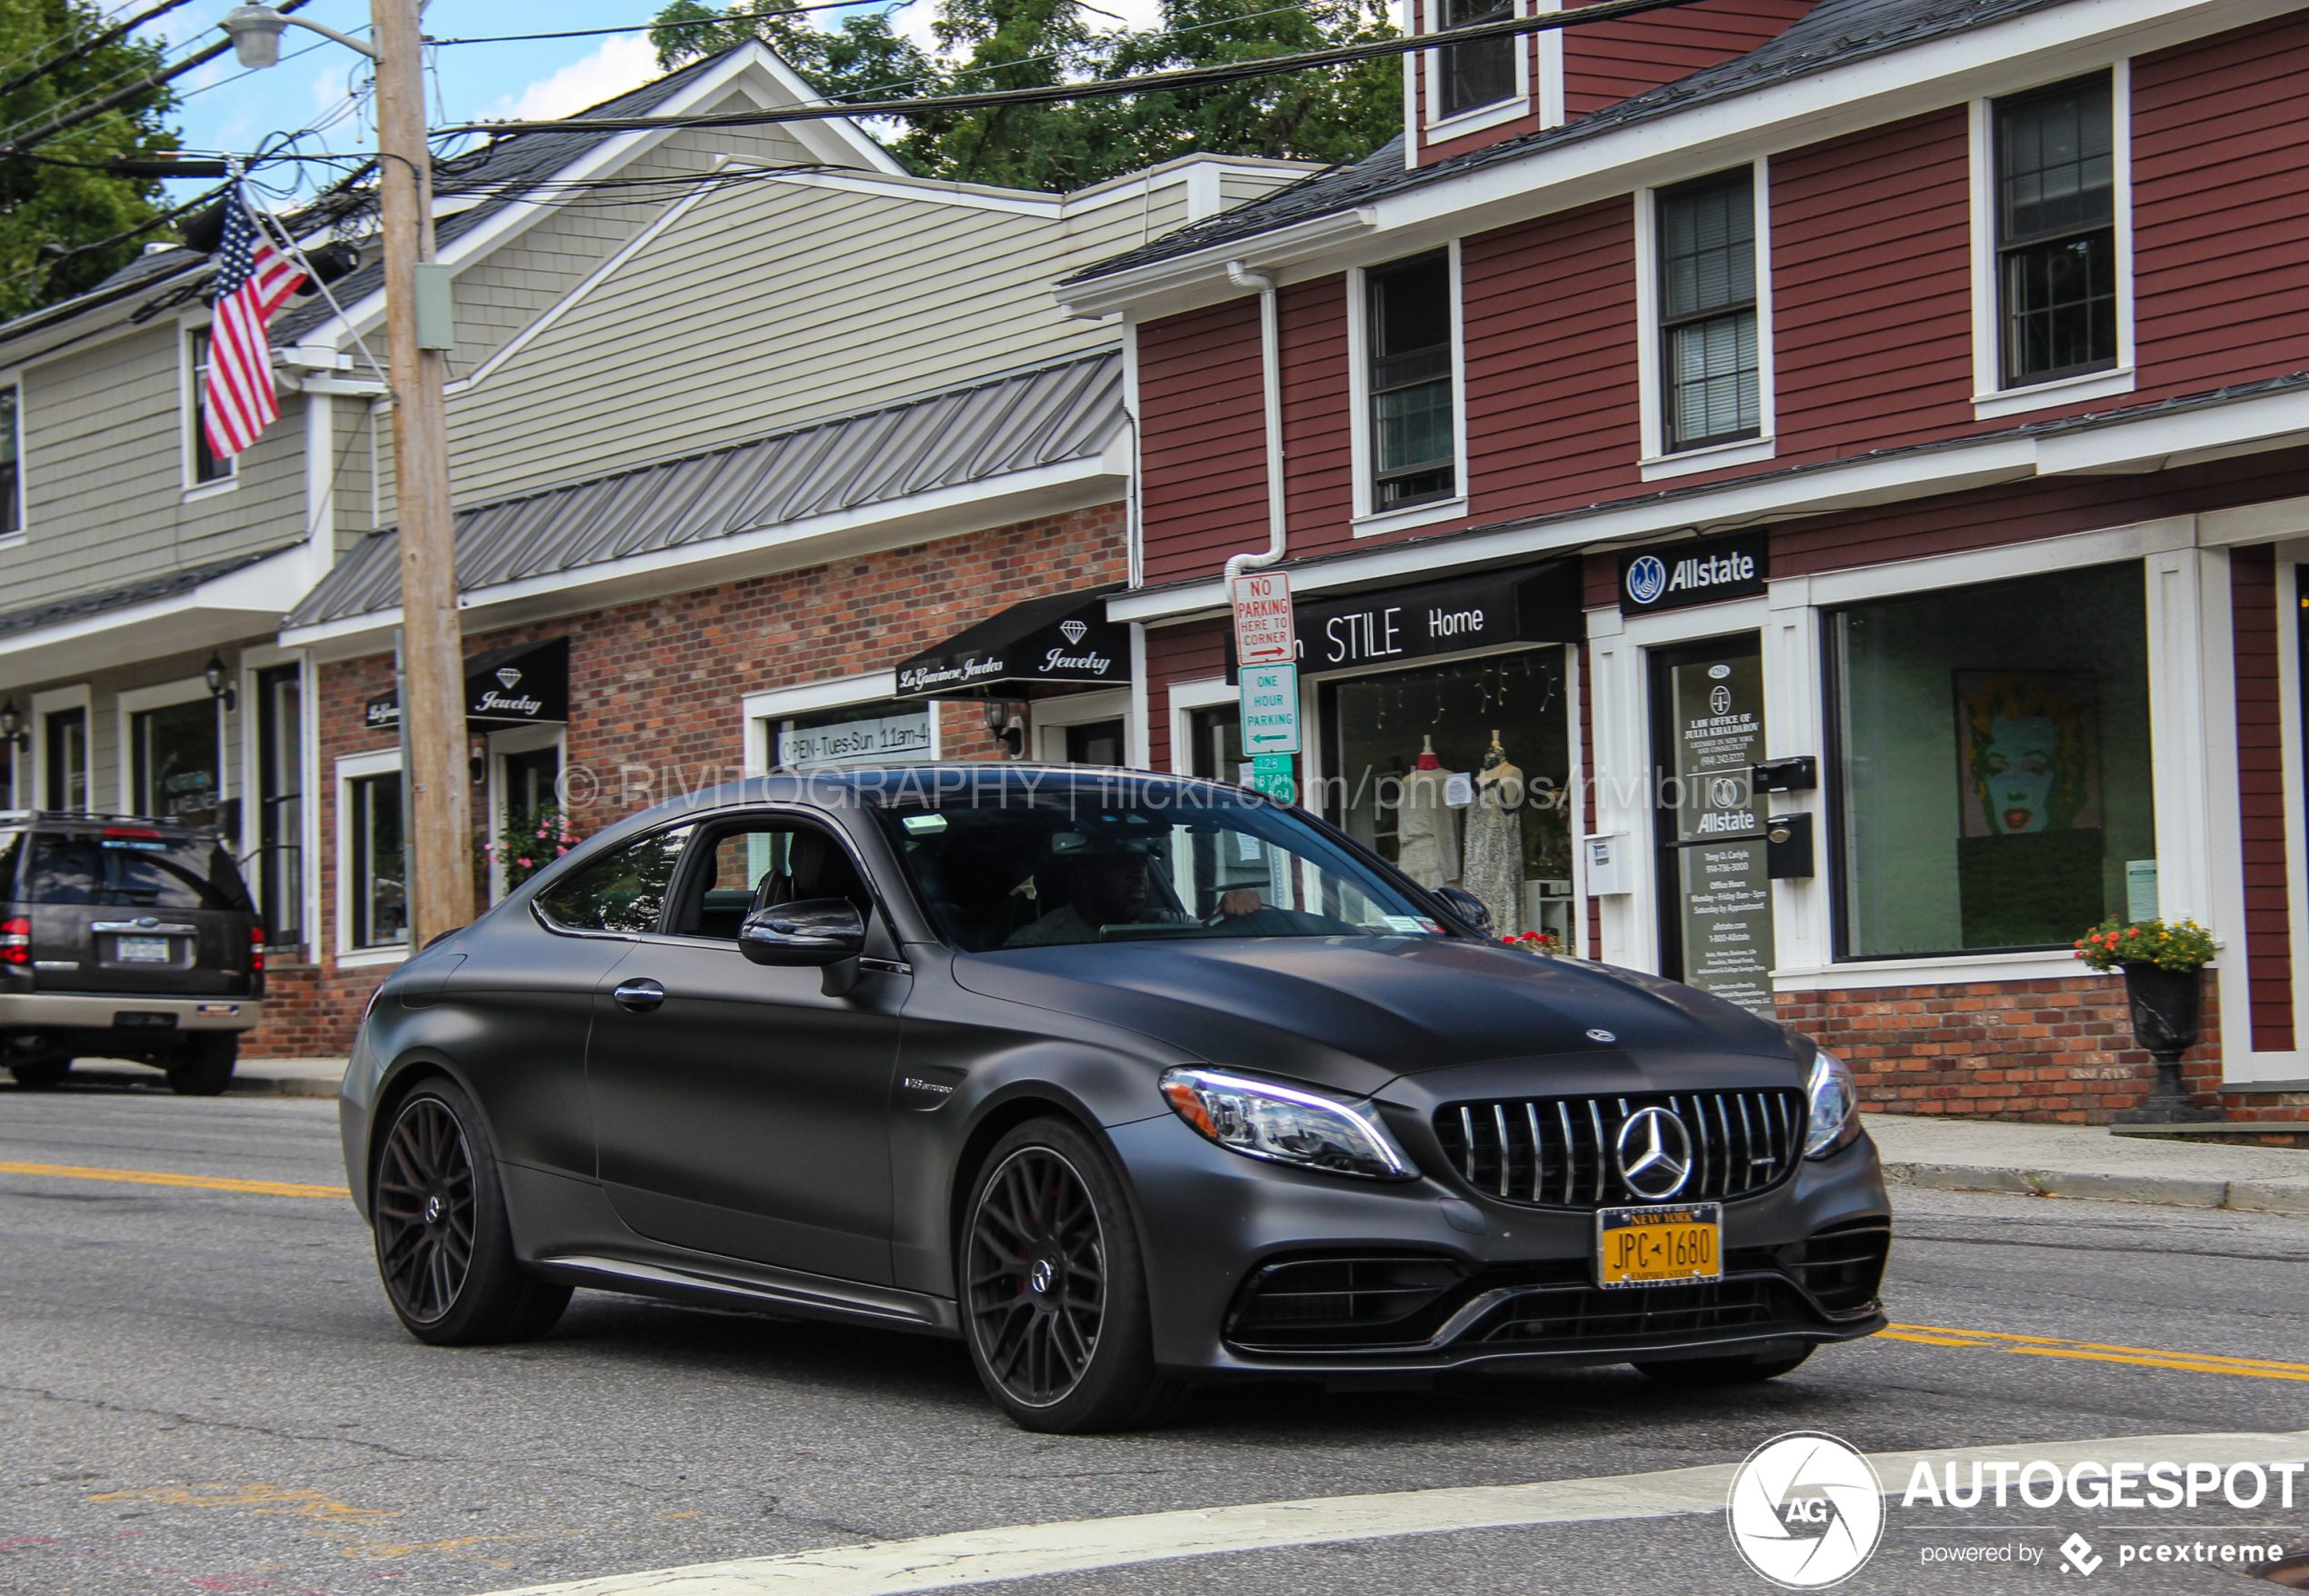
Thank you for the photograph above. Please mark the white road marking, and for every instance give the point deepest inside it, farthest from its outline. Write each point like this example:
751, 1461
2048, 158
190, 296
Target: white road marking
977, 1557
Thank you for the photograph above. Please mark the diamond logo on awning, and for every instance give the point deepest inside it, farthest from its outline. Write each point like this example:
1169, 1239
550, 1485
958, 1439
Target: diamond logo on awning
1072, 630
508, 676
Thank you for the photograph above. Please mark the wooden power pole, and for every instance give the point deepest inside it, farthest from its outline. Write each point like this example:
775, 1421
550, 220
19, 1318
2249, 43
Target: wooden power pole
439, 832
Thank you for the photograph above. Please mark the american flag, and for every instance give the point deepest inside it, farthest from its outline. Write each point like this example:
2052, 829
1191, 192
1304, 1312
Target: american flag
252, 280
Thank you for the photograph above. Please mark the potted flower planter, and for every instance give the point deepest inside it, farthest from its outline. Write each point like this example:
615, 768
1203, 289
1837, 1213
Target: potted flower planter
2163, 964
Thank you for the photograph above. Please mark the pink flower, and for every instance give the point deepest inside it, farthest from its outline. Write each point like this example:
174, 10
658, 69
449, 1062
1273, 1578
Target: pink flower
522, 863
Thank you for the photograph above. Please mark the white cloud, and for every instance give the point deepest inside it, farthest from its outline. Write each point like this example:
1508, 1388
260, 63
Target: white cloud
622, 63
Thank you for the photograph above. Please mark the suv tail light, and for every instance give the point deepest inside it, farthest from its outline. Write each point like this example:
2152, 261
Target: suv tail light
130, 831
256, 949
15, 941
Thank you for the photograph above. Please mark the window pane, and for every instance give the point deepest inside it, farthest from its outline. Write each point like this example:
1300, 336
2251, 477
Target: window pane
1481, 74
2056, 165
1707, 248
1714, 377
1411, 432
174, 755
11, 480
1414, 425
67, 758
1995, 771
280, 799
207, 464
379, 891
621, 892
2060, 306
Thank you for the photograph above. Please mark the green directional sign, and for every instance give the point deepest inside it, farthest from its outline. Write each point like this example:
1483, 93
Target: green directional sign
1270, 709
1272, 774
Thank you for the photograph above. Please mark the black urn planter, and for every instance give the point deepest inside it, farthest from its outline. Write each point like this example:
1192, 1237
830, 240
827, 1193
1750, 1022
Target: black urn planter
2167, 1005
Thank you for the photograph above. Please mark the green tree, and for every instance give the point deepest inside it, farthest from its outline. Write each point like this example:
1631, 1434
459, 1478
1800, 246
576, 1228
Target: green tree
1326, 115
48, 209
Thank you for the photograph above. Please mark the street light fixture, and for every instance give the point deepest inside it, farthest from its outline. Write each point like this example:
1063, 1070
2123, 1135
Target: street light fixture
12, 729
432, 654
220, 683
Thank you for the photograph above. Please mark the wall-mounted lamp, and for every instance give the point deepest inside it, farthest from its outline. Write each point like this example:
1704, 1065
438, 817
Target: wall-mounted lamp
1004, 721
220, 684
11, 729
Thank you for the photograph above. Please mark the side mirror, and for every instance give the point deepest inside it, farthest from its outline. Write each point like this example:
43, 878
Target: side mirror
816, 931
1468, 907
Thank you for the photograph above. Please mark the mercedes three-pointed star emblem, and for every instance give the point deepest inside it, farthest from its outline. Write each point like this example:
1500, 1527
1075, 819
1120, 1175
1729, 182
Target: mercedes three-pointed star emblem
1655, 1154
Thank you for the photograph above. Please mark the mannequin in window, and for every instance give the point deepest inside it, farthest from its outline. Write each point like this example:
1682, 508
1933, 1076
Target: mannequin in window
1426, 831
1495, 871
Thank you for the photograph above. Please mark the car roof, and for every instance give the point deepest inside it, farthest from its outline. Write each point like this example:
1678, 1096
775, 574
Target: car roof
84, 820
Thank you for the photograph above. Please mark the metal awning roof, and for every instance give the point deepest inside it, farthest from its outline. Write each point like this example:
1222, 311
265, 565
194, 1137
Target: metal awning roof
1034, 418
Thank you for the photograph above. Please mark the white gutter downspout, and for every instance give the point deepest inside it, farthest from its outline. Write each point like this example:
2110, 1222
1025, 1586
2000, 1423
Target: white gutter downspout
1271, 379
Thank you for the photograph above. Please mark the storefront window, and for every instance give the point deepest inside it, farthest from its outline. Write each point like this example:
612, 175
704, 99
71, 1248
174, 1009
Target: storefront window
380, 900
67, 759
280, 803
854, 733
1459, 773
1994, 788
174, 755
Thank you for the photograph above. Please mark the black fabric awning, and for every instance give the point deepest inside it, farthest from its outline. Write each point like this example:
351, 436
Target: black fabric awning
523, 685
1063, 640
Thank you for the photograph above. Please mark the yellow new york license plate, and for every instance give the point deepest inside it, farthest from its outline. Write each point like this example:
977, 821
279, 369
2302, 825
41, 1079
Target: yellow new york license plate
1649, 1246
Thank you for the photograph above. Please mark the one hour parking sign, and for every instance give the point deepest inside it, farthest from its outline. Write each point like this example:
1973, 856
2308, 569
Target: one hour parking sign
1270, 709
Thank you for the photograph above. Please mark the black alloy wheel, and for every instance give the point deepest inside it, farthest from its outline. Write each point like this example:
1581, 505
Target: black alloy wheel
1054, 1293
444, 1248
202, 1065
39, 1073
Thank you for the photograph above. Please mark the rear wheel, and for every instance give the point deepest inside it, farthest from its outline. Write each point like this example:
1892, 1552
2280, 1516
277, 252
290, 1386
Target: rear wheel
444, 1247
202, 1065
1054, 1300
1704, 1372
41, 1073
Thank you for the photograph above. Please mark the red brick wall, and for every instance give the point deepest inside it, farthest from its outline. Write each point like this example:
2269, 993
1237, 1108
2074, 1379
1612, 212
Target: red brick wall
2056, 1049
654, 691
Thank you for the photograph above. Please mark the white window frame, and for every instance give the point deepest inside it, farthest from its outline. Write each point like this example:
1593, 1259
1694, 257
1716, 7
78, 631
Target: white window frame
1656, 462
188, 412
1438, 129
515, 740
1991, 400
1048, 718
43, 704
1367, 523
9, 540
134, 701
350, 767
761, 711
1186, 697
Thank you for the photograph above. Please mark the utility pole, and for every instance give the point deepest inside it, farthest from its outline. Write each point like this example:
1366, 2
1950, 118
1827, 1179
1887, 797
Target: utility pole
441, 828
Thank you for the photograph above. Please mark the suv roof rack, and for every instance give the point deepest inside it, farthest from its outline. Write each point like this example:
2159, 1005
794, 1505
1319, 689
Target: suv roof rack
95, 817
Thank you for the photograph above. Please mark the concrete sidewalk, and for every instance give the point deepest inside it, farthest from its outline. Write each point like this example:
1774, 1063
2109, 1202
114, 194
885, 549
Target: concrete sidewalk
2086, 1161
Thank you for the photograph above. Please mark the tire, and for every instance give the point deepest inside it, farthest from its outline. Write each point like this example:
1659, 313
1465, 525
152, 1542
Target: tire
1707, 1371
202, 1065
1054, 1289
445, 1249
38, 1074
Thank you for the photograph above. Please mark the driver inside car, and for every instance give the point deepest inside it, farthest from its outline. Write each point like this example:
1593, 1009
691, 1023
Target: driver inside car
1108, 884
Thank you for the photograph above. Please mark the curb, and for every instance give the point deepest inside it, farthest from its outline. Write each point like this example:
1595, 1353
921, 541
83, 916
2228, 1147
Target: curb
239, 1086
2284, 1196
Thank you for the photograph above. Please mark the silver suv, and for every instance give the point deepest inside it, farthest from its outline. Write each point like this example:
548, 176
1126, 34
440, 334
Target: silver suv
123, 938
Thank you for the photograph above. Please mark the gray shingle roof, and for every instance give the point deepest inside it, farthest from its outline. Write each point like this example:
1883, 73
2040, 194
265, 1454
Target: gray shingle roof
1835, 33
1031, 418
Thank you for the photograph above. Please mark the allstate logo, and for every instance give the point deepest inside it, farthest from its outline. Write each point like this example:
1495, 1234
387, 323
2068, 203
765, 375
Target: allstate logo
1805, 1510
1646, 579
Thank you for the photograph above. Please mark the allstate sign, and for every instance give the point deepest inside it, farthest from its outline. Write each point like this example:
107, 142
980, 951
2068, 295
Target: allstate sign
1697, 571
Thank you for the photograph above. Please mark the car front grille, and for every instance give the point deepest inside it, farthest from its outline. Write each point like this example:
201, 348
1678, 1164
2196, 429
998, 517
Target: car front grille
1570, 1319
1558, 1152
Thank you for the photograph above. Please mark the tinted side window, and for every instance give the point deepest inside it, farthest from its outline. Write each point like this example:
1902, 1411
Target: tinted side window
622, 892
132, 872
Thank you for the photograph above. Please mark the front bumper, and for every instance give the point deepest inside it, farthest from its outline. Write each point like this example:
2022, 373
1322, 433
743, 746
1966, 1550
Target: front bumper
1258, 1270
79, 1012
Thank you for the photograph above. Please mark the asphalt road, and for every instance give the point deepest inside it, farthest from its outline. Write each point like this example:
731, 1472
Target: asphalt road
202, 1390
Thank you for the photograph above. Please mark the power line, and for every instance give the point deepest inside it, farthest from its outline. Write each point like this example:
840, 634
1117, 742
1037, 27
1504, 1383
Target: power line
1142, 83
651, 27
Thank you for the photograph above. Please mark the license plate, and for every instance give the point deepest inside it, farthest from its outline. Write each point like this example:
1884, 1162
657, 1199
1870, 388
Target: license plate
142, 950
1651, 1246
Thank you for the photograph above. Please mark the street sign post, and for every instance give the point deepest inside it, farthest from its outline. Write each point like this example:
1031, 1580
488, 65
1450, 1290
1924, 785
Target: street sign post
1270, 709
1263, 634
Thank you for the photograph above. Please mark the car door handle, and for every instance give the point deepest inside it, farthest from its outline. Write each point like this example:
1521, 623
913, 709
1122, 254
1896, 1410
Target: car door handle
640, 995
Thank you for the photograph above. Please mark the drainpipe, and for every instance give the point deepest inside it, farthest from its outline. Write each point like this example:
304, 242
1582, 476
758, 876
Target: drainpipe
1271, 378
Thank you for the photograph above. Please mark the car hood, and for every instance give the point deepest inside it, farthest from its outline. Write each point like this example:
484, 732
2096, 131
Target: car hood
1354, 1013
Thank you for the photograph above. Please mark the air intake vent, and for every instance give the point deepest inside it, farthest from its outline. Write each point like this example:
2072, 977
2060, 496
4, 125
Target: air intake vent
1558, 1152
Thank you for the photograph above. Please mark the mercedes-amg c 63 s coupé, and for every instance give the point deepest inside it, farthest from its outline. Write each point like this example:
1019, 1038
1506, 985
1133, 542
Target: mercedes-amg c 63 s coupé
1131, 1083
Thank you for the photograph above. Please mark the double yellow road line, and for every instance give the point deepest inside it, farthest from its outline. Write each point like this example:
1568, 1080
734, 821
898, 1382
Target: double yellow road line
74, 1171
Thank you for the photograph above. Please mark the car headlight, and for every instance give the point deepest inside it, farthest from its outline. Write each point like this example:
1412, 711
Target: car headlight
1260, 1119
1836, 1107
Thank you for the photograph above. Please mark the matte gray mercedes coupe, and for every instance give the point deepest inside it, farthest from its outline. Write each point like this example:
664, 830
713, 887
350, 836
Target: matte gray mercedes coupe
1132, 1083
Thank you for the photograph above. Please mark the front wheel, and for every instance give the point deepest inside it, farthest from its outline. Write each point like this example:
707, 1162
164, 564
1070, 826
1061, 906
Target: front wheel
202, 1063
1054, 1300
444, 1247
39, 1073
1706, 1372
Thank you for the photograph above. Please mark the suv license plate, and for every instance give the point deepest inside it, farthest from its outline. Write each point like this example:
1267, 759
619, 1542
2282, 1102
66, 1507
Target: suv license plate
1656, 1245
142, 950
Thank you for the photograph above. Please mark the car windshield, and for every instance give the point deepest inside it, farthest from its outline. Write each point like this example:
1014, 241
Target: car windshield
1009, 869
132, 870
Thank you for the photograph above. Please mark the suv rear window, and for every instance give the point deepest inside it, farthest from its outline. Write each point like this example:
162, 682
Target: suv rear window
132, 873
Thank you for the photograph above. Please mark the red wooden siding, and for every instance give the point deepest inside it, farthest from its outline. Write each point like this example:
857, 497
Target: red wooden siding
2261, 782
1202, 439
1607, 61
2220, 200
1318, 444
1872, 289
1428, 153
1194, 653
1553, 419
